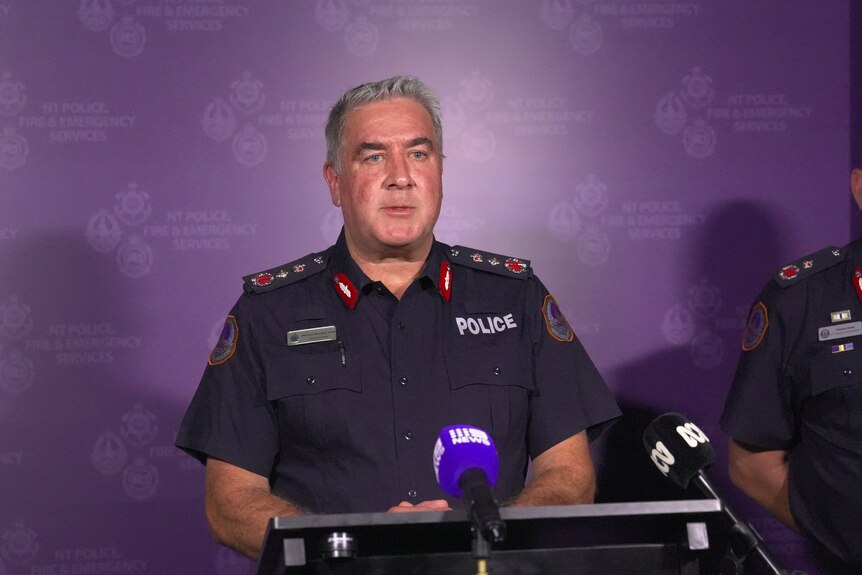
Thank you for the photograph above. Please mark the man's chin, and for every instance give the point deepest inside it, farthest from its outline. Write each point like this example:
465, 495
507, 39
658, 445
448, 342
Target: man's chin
404, 241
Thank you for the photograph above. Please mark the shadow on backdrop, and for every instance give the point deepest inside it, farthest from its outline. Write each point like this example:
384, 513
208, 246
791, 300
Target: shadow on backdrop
730, 260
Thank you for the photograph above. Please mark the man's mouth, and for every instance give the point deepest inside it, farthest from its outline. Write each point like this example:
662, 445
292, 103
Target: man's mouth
398, 210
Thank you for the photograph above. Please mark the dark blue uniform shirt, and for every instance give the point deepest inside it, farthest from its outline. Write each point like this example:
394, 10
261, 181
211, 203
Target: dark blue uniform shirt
798, 388
349, 424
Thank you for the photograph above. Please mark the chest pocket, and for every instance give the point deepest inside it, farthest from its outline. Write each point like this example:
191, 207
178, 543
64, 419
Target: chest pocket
314, 394
834, 408
490, 388
835, 370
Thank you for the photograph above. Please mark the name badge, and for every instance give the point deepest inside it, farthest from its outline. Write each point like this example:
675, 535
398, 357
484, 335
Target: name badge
839, 331
315, 335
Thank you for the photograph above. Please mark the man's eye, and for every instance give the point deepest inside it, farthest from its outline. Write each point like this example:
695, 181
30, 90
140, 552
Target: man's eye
374, 158
418, 155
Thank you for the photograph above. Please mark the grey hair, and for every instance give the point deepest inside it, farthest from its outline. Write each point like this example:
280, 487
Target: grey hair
388, 89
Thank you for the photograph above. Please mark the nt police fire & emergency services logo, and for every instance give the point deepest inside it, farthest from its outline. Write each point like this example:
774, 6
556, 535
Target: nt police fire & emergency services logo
359, 21
475, 96
64, 122
16, 369
702, 323
19, 545
139, 455
577, 219
110, 454
221, 120
129, 230
691, 112
128, 37
117, 231
585, 21
13, 146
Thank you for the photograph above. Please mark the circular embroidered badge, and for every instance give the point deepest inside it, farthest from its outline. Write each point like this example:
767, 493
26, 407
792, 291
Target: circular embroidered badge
226, 344
555, 321
755, 329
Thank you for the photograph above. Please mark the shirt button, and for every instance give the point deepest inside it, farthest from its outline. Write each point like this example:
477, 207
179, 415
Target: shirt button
497, 371
412, 494
403, 381
401, 324
408, 436
309, 380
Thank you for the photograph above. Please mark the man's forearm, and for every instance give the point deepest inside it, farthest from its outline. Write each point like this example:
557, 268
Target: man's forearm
239, 505
238, 518
562, 475
557, 487
762, 475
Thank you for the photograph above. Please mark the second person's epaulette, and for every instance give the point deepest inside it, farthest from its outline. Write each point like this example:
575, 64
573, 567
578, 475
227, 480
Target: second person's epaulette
486, 261
809, 265
286, 274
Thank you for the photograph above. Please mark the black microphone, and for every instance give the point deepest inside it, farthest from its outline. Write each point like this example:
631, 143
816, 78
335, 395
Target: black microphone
681, 451
678, 448
466, 466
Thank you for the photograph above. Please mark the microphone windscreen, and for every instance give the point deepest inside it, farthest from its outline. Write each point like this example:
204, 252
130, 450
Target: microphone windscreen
678, 448
463, 447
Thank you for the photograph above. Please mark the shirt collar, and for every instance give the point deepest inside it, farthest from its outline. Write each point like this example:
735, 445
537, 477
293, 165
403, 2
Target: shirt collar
341, 262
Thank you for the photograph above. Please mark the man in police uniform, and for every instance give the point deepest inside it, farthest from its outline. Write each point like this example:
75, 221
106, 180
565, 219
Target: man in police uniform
335, 373
794, 413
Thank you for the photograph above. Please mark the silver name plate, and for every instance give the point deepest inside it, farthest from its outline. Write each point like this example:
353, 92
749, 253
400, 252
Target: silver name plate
839, 331
311, 335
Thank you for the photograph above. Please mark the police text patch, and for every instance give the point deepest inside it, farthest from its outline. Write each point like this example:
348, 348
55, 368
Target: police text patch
488, 325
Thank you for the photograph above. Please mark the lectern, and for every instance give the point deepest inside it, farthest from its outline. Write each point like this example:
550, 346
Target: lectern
681, 537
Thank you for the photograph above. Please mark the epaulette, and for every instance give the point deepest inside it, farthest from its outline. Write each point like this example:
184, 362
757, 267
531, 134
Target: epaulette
809, 265
286, 274
486, 261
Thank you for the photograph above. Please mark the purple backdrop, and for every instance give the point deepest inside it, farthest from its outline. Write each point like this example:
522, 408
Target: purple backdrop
656, 160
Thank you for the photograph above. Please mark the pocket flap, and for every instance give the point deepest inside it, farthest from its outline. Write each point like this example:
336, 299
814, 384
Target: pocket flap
305, 374
498, 365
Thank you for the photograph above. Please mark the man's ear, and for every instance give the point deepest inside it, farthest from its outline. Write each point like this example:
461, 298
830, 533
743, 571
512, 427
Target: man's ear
331, 177
856, 186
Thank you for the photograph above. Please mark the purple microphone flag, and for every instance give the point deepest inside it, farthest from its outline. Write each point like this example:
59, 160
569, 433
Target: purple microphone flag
463, 447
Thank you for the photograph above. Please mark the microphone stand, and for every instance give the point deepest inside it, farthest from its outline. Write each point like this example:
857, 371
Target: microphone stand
743, 538
486, 525
481, 551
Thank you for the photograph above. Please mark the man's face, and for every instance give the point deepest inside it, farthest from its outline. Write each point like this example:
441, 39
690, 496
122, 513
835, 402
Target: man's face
390, 184
856, 186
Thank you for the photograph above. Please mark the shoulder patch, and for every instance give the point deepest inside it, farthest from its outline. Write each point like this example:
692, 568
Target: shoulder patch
226, 344
755, 328
555, 321
286, 274
486, 261
809, 265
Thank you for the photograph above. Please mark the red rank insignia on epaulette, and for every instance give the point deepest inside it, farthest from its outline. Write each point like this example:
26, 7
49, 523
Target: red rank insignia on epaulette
262, 279
445, 282
857, 282
515, 265
345, 290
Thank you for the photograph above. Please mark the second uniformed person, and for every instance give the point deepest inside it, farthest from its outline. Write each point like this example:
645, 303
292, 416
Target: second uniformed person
335, 373
794, 413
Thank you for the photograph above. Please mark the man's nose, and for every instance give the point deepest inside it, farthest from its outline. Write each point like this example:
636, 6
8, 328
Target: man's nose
398, 173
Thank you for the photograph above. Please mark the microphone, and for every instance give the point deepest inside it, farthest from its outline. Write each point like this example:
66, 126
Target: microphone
466, 466
678, 448
681, 451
